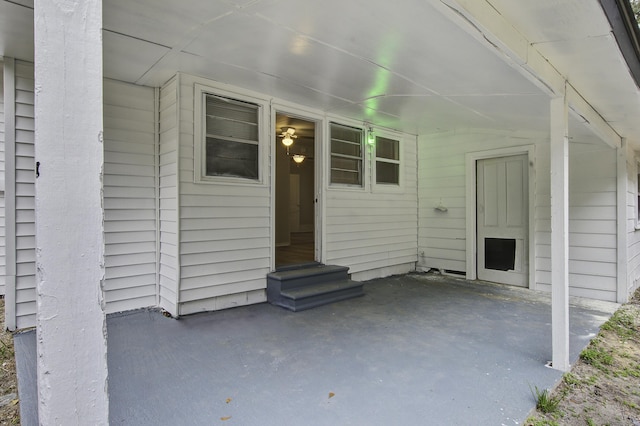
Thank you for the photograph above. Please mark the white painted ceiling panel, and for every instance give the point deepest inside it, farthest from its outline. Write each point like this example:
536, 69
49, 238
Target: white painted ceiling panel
414, 41
263, 83
138, 55
271, 49
160, 21
402, 65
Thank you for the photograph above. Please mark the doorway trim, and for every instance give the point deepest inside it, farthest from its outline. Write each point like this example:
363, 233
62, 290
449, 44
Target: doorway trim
471, 160
319, 226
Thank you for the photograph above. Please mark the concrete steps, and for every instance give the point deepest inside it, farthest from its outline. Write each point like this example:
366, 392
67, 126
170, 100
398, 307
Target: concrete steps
312, 285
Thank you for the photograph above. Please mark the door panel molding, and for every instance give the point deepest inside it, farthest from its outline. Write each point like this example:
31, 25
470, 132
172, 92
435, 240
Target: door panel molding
471, 159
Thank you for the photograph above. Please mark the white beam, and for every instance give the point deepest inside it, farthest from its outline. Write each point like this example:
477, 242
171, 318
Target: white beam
592, 118
560, 233
485, 23
71, 326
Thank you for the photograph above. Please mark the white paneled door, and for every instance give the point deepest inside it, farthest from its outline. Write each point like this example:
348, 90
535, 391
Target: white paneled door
502, 203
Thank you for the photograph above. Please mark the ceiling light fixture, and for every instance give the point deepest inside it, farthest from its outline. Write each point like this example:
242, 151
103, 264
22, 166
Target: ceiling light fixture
288, 135
298, 158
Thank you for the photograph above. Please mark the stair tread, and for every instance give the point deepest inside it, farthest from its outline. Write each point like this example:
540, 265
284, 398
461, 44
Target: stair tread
307, 272
320, 289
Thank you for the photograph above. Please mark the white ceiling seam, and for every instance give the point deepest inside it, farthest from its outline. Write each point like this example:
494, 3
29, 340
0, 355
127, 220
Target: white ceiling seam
484, 17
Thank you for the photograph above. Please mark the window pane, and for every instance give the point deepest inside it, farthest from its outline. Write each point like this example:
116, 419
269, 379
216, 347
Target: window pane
232, 135
387, 148
231, 129
345, 170
227, 158
231, 109
346, 141
345, 148
387, 172
345, 133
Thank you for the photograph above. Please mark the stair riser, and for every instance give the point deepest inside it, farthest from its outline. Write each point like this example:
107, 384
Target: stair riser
319, 300
307, 280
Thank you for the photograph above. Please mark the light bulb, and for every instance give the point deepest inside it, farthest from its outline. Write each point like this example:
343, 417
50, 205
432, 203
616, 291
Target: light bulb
287, 141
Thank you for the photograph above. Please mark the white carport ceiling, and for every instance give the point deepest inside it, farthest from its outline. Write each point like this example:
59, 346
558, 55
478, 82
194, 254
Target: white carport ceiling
402, 65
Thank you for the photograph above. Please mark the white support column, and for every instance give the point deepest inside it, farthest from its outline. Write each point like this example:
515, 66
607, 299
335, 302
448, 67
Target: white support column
622, 293
560, 233
71, 327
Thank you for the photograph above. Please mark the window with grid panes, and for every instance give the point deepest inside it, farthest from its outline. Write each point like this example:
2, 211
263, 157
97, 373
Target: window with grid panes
231, 137
346, 154
387, 161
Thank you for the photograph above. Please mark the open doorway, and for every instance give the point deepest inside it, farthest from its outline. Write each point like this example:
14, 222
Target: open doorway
295, 191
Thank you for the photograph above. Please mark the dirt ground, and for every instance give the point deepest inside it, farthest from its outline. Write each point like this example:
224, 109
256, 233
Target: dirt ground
603, 387
9, 406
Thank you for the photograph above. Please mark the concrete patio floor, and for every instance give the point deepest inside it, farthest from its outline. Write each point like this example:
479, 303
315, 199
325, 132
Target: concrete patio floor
416, 349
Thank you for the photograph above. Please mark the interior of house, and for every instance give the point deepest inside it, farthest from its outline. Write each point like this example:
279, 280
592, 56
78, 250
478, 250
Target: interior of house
295, 191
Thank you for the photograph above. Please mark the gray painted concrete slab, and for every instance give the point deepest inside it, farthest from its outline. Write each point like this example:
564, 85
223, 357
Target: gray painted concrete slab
416, 349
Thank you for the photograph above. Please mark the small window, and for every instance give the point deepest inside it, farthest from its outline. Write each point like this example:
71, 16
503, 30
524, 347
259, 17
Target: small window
346, 154
387, 161
231, 138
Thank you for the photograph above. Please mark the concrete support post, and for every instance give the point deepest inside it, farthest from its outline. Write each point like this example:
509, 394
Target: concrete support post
560, 233
70, 319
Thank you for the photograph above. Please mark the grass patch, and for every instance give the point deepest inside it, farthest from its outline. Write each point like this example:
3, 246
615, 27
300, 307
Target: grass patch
534, 421
571, 379
628, 372
622, 323
6, 352
596, 356
544, 401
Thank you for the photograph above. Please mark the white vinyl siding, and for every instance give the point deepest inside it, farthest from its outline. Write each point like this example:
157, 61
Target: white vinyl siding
592, 208
375, 234
25, 196
129, 196
225, 246
168, 182
3, 259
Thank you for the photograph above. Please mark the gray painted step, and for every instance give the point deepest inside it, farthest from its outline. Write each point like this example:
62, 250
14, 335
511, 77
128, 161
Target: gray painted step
311, 286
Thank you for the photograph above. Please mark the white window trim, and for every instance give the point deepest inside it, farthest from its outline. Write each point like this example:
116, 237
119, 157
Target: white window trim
389, 187
199, 132
343, 186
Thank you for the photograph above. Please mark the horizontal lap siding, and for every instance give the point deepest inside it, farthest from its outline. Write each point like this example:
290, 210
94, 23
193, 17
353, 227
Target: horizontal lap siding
129, 196
3, 262
225, 248
168, 193
592, 224
374, 231
25, 196
592, 212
